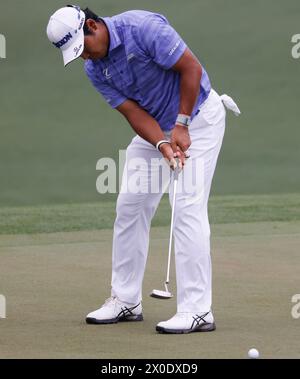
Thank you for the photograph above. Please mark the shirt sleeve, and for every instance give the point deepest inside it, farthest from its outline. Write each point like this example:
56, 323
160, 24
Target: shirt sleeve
161, 41
112, 96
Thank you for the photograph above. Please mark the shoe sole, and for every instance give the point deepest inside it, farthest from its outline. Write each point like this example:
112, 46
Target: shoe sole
94, 321
202, 329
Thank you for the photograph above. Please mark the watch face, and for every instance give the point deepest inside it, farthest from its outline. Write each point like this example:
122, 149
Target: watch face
187, 121
184, 120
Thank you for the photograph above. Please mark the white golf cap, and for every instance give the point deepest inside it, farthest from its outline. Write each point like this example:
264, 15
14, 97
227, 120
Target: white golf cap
65, 31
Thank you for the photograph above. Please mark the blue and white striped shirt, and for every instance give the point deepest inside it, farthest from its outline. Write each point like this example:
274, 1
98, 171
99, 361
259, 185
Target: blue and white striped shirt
143, 49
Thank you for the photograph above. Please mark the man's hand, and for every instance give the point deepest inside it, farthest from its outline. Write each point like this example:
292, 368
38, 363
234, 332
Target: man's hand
168, 154
180, 143
149, 129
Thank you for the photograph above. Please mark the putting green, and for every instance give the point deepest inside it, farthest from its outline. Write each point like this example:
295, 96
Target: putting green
52, 280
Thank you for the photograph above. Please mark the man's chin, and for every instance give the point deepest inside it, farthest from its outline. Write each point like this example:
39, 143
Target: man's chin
96, 57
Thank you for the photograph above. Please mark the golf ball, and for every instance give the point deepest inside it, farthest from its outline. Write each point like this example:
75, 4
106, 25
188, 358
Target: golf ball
253, 354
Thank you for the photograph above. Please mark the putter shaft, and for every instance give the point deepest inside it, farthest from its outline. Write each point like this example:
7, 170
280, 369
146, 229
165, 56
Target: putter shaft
176, 175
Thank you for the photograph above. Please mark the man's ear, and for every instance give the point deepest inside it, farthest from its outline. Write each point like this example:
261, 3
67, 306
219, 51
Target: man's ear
91, 24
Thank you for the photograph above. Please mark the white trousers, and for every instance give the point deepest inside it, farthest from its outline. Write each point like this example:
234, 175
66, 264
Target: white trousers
135, 210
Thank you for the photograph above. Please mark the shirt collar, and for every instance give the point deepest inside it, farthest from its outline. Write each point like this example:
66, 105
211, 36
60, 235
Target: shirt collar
115, 40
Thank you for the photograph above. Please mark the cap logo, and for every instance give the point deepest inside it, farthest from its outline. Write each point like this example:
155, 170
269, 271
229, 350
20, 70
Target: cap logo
63, 41
78, 10
81, 23
77, 49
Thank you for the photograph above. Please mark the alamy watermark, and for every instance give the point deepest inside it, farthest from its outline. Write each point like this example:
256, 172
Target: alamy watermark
296, 48
296, 308
2, 47
2, 306
138, 175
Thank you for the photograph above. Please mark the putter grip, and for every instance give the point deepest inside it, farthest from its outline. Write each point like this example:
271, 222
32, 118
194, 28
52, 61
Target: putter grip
176, 173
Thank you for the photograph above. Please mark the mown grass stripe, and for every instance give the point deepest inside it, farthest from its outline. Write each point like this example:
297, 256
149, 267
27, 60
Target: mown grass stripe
101, 215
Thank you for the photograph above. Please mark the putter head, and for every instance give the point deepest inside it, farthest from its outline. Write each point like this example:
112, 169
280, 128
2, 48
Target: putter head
161, 294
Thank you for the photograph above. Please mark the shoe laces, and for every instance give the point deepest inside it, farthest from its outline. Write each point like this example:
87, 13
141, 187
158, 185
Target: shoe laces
182, 314
191, 314
110, 301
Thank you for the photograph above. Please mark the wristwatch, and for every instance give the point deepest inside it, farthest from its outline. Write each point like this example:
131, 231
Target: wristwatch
184, 120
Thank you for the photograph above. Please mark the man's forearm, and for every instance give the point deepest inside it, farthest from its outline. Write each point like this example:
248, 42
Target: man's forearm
189, 89
147, 128
190, 71
142, 123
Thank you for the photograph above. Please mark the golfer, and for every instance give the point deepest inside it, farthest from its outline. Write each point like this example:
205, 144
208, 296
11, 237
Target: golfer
144, 69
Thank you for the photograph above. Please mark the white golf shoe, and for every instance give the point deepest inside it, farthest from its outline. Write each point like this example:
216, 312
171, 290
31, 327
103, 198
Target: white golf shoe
184, 322
114, 311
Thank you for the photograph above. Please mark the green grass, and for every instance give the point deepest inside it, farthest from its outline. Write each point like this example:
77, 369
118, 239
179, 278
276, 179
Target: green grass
101, 215
51, 281
55, 127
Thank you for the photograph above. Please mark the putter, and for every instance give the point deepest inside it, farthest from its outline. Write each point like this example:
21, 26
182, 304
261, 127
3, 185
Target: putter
167, 294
